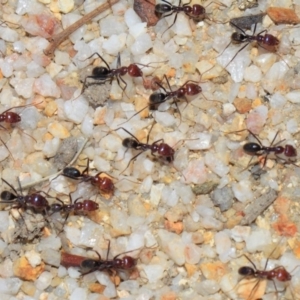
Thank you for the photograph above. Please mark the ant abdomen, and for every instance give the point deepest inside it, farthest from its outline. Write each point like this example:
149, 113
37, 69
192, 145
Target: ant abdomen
238, 38
130, 143
71, 172
7, 196
100, 72
252, 148
246, 271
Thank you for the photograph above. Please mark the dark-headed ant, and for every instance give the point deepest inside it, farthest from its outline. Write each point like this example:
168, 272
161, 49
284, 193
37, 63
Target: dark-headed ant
288, 151
83, 206
104, 184
10, 117
158, 147
190, 88
196, 12
279, 273
89, 265
34, 201
266, 41
106, 73
125, 263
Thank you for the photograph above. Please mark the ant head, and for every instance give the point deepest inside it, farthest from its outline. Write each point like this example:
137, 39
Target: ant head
238, 38
246, 271
8, 196
71, 172
126, 263
252, 148
130, 143
100, 71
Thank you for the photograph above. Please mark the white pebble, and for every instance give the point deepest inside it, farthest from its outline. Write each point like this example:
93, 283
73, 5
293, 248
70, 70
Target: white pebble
101, 164
110, 289
8, 35
65, 6
182, 26
223, 245
192, 253
68, 20
155, 194
216, 165
292, 126
87, 126
258, 240
45, 86
293, 96
195, 172
10, 286
138, 29
142, 44
202, 141
240, 233
252, 74
131, 18
165, 119
153, 272
73, 272
33, 257
228, 109
43, 281
114, 44
76, 110
146, 184
79, 294
277, 100
52, 242
23, 87
242, 190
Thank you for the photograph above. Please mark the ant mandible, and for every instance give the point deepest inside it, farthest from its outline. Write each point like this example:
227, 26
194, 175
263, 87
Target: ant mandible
106, 73
162, 149
258, 149
104, 184
266, 41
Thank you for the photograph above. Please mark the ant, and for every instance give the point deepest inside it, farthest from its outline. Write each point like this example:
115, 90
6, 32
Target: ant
189, 88
10, 117
106, 73
196, 12
162, 149
35, 201
125, 263
266, 41
104, 184
279, 273
85, 205
258, 149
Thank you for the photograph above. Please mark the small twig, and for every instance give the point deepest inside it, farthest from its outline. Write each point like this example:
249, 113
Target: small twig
60, 37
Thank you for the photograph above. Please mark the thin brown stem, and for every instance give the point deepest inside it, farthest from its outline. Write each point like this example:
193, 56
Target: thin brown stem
60, 37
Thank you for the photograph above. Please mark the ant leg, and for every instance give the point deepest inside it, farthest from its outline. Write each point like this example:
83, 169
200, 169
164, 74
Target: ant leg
7, 148
124, 82
254, 135
237, 54
86, 170
131, 161
11, 186
128, 133
100, 58
134, 115
150, 131
119, 61
168, 2
252, 263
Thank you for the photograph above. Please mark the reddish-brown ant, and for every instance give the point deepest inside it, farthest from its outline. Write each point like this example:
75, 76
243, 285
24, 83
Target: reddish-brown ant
288, 151
189, 88
125, 263
34, 201
83, 206
104, 184
10, 117
266, 41
196, 12
106, 73
89, 265
279, 273
158, 147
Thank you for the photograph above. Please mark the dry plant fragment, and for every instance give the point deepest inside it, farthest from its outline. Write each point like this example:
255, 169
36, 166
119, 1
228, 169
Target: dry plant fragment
59, 38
